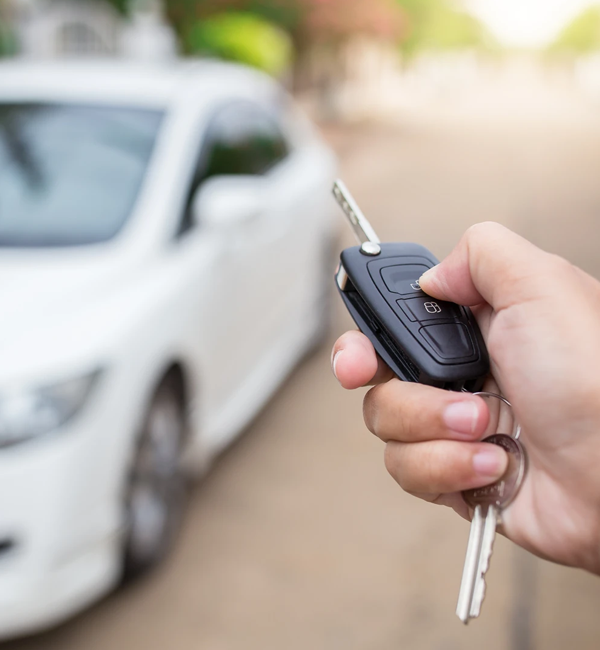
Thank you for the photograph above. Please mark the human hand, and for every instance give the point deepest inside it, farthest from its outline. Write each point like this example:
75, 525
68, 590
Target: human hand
540, 318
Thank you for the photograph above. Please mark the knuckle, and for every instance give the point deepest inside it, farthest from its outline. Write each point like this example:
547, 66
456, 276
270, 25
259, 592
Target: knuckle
482, 231
369, 411
386, 412
399, 464
372, 405
392, 461
429, 469
560, 266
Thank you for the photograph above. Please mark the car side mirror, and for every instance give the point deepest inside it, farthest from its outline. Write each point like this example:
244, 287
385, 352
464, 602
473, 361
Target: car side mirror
228, 201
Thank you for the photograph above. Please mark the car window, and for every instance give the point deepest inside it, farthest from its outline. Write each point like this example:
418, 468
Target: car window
70, 174
241, 139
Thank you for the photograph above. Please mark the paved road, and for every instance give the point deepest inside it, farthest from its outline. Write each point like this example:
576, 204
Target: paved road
298, 539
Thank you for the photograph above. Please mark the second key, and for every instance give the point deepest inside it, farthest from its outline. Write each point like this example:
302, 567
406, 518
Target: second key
488, 503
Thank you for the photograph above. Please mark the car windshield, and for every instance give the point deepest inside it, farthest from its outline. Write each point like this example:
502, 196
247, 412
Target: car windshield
70, 174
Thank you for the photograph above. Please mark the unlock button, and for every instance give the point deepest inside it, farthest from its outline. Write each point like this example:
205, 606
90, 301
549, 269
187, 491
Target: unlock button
427, 308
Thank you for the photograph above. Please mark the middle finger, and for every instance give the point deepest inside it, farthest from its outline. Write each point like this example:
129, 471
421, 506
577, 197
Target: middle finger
408, 412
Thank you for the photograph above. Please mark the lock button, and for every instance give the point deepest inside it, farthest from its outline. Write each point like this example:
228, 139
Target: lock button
403, 278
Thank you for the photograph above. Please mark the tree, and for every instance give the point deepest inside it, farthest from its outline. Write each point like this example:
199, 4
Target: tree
581, 35
306, 21
440, 25
243, 37
8, 43
119, 5
183, 13
336, 20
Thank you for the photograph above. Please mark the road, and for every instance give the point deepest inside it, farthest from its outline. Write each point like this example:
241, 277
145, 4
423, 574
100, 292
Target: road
297, 538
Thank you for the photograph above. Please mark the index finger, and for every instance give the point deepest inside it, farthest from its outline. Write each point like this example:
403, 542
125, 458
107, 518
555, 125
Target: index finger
490, 264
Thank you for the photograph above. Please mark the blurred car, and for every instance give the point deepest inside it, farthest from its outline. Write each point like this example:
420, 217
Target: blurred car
165, 237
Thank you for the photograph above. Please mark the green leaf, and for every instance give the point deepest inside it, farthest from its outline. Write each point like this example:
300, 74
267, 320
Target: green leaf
241, 37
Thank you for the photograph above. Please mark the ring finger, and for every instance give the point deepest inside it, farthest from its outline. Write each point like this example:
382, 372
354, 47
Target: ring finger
444, 466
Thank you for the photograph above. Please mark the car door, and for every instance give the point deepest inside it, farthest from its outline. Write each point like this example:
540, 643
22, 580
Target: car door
233, 274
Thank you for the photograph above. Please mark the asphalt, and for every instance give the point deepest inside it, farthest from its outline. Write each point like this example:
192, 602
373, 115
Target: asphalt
297, 538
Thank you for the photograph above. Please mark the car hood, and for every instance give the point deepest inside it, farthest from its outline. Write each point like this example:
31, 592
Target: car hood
49, 304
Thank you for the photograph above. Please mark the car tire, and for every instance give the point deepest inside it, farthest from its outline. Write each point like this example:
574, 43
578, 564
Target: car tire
155, 494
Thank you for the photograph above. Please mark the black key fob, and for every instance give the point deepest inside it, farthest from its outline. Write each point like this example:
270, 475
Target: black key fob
421, 339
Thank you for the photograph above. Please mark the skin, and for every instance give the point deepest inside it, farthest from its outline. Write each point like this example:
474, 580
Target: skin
540, 318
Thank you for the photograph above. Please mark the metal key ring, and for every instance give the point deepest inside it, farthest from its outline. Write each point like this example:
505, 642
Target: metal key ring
517, 433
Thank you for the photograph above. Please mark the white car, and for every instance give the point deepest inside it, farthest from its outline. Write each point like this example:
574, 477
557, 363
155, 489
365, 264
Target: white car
165, 237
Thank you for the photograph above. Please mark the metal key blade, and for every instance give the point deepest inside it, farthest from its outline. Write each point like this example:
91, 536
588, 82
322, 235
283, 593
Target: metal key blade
360, 224
467, 585
491, 500
485, 553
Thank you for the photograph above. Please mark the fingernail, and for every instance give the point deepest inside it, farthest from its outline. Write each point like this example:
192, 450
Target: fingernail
334, 362
428, 275
490, 463
461, 417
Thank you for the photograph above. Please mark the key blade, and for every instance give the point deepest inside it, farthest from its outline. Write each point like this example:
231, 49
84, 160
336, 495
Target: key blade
467, 585
360, 224
485, 554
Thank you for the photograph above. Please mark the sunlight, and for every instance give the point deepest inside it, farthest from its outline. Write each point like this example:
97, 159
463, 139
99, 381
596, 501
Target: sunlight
526, 23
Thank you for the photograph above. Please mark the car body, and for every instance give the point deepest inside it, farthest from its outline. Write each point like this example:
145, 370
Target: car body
214, 279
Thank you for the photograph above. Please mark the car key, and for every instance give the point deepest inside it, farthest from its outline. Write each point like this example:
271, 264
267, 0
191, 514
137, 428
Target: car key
421, 339
488, 503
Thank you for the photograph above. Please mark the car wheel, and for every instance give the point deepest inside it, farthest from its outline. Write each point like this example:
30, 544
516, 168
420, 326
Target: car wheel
155, 494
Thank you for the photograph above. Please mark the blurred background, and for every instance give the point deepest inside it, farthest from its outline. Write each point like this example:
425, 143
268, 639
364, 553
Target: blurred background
441, 114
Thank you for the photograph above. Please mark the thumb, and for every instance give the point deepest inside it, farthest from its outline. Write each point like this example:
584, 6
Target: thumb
490, 264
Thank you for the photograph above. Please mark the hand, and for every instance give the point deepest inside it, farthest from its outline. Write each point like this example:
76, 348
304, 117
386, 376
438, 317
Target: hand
540, 318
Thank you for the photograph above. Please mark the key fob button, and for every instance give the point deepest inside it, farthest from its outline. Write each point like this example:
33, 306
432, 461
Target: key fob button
450, 340
427, 308
403, 278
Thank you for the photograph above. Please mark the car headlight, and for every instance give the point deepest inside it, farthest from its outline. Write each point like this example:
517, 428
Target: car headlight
26, 414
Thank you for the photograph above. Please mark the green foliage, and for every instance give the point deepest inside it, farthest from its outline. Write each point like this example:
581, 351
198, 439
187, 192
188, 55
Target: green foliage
439, 25
581, 35
8, 44
454, 30
284, 13
305, 20
419, 14
120, 5
242, 37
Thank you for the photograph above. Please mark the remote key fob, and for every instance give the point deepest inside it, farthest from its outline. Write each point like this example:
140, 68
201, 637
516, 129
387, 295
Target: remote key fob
421, 339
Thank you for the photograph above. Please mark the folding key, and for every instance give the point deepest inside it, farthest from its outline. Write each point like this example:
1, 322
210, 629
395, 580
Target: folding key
362, 228
420, 338
488, 503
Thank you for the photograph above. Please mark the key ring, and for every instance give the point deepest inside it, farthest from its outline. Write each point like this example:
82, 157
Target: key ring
516, 427
501, 493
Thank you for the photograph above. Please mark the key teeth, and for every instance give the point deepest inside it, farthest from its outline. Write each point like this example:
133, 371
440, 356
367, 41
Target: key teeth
478, 599
484, 564
465, 596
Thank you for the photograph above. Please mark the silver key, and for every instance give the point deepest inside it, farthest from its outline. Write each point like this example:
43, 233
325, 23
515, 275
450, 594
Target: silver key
488, 503
360, 224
